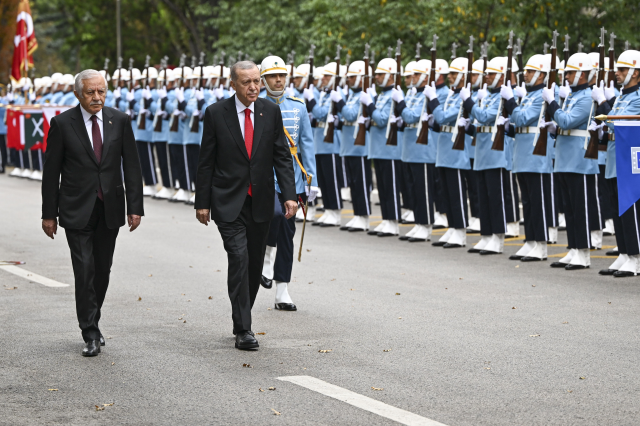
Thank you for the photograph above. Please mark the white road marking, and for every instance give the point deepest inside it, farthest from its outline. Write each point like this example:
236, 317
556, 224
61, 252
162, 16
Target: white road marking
31, 276
360, 401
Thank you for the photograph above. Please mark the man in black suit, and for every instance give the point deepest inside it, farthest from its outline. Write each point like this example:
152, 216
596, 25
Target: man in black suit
82, 184
243, 142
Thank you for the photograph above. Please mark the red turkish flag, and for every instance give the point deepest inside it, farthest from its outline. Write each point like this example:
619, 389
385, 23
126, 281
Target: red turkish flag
24, 42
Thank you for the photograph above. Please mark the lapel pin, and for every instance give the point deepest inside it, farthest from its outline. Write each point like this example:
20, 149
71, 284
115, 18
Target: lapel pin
260, 114
110, 122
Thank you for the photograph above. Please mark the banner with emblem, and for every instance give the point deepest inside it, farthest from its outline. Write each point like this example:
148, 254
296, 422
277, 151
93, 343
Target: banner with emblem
28, 126
627, 163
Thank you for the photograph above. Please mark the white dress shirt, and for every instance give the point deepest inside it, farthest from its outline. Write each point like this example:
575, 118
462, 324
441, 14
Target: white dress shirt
86, 116
240, 109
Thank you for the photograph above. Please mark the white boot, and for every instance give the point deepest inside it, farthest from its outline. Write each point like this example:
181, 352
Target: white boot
391, 229
458, 238
269, 262
378, 228
562, 223
445, 238
617, 264
360, 223
480, 245
513, 230
410, 233
16, 172
423, 233
323, 217
609, 228
553, 235
409, 217
283, 300
440, 220
164, 194
149, 190
345, 194
539, 252
524, 250
26, 173
630, 268
596, 239
474, 224
581, 259
566, 260
36, 175
192, 200
495, 245
347, 225
332, 218
181, 196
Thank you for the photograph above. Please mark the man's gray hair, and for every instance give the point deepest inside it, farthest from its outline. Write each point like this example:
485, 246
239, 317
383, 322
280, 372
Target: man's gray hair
241, 65
85, 75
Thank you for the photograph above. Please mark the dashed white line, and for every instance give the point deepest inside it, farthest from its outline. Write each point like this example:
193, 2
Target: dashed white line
360, 401
31, 276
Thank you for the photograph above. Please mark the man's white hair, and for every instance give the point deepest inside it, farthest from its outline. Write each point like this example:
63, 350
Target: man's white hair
85, 75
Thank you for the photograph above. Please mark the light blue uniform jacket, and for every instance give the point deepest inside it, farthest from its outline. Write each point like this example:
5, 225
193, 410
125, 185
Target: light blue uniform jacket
320, 112
378, 148
446, 115
350, 112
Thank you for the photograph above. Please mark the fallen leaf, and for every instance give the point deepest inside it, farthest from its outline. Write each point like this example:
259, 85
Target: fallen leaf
272, 388
107, 405
353, 289
108, 337
53, 390
608, 302
261, 334
324, 351
139, 299
11, 288
533, 285
247, 365
582, 378
460, 278
534, 335
402, 273
183, 294
397, 294
308, 250
184, 322
333, 279
566, 322
190, 266
210, 297
277, 413
517, 266
377, 389
217, 270
570, 391
487, 368
513, 307
180, 318
188, 300
268, 309
150, 275
98, 408
113, 363
261, 390
311, 282
399, 317
446, 288
386, 350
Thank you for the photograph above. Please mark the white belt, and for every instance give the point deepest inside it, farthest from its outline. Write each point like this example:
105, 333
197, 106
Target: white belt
447, 129
321, 124
484, 129
411, 126
527, 129
350, 123
574, 132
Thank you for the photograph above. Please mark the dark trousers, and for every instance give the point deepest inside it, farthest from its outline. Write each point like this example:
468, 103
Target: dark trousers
472, 190
607, 208
388, 179
454, 192
244, 241
441, 205
4, 155
344, 182
360, 183
626, 226
578, 192
162, 152
91, 256
557, 194
491, 197
511, 196
37, 159
551, 201
192, 152
147, 162
406, 187
281, 233
422, 179
534, 205
179, 165
16, 158
329, 170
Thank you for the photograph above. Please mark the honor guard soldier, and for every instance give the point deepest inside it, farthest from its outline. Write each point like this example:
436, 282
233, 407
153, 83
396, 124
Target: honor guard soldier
68, 98
357, 165
278, 259
449, 162
301, 78
628, 103
532, 171
386, 158
477, 71
175, 107
160, 134
56, 88
141, 104
191, 138
14, 97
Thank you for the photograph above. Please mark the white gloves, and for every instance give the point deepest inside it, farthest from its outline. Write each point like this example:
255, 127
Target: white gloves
564, 90
549, 95
372, 91
503, 121
550, 125
465, 92
331, 118
129, 97
116, 93
464, 122
335, 96
162, 93
363, 120
365, 99
219, 92
231, 91
10, 96
312, 192
428, 118
430, 92
199, 94
146, 93
178, 113
596, 127
397, 120
179, 94
290, 91
414, 91
482, 93
143, 111
196, 113
397, 95
308, 93
597, 94
506, 92
520, 91
610, 92
32, 97
162, 114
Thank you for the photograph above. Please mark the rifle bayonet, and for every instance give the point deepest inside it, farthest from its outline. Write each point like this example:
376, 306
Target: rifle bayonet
418, 46
510, 46
554, 39
389, 52
602, 33
566, 42
545, 48
366, 52
106, 64
433, 43
312, 49
338, 50
471, 38
612, 38
454, 46
580, 46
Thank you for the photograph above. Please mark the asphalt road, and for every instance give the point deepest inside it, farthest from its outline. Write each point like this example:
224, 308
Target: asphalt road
450, 336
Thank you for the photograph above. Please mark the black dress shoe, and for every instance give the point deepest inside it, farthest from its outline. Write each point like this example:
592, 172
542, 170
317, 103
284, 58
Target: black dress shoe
515, 257
101, 340
327, 225
92, 348
613, 253
372, 232
449, 245
285, 307
417, 240
266, 282
622, 274
438, 226
246, 341
403, 238
344, 228
488, 252
386, 234
474, 250
438, 243
558, 265
571, 267
607, 271
472, 231
356, 230
315, 224
531, 259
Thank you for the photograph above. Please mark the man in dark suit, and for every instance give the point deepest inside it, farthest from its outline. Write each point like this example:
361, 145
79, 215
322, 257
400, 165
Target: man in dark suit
82, 184
243, 142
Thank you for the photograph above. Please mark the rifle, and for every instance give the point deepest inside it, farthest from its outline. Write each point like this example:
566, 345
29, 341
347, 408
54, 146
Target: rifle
540, 147
520, 75
157, 118
142, 118
221, 64
611, 74
174, 120
566, 53
292, 62
423, 126
195, 121
329, 127
106, 66
343, 82
130, 84
484, 50
592, 149
498, 138
459, 137
310, 78
119, 71
361, 136
392, 128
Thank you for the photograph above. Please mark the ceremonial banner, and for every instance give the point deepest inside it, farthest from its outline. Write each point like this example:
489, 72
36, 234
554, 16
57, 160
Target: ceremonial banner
627, 163
24, 42
28, 126
33, 133
13, 128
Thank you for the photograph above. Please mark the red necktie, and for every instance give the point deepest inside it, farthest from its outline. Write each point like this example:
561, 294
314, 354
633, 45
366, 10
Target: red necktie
97, 145
248, 136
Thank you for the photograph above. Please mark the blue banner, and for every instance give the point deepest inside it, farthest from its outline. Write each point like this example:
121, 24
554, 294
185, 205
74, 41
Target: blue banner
627, 163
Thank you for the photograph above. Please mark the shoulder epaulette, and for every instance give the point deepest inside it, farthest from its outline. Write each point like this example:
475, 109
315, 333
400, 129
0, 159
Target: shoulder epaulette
295, 99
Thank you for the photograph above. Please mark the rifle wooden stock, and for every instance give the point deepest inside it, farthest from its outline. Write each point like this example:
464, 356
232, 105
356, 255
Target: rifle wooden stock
142, 122
423, 137
541, 143
361, 137
592, 148
392, 139
498, 140
328, 138
458, 145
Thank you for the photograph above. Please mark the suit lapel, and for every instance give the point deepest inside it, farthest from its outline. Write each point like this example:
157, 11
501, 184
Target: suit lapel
107, 127
231, 118
258, 124
81, 132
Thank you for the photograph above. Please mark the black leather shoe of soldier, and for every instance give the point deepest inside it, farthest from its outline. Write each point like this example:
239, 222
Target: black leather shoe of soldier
438, 243
449, 245
515, 257
571, 267
532, 259
622, 274
473, 250
613, 253
558, 265
266, 282
285, 307
488, 252
607, 271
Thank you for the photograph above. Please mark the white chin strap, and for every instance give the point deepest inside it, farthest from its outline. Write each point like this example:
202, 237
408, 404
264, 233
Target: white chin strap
421, 80
275, 93
478, 82
455, 83
385, 81
495, 81
533, 80
357, 83
576, 78
303, 84
628, 77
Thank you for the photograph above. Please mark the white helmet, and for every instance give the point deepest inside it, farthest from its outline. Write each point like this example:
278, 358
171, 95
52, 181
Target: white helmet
46, 81
153, 73
478, 68
135, 74
357, 68
386, 66
302, 70
37, 83
498, 65
162, 76
442, 67
422, 67
628, 59
272, 65
580, 62
68, 80
105, 75
187, 72
120, 73
458, 65
55, 79
25, 83
172, 75
409, 69
538, 63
